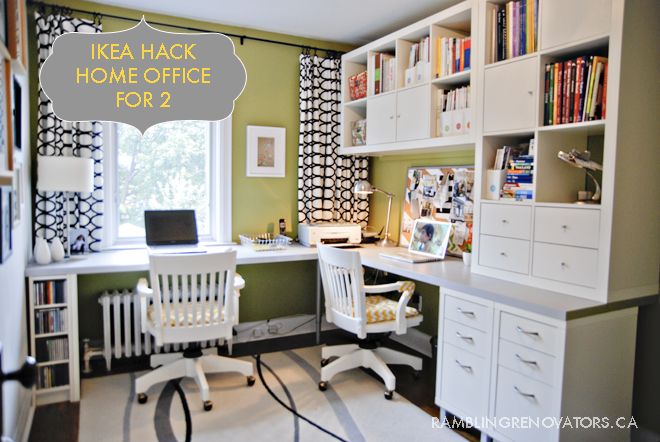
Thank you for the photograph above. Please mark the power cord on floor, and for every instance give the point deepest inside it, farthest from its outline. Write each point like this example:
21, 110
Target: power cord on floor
274, 396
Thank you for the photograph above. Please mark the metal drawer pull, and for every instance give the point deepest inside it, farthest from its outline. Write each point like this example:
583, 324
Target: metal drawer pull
564, 226
522, 393
504, 221
466, 312
465, 338
503, 254
464, 367
526, 361
527, 332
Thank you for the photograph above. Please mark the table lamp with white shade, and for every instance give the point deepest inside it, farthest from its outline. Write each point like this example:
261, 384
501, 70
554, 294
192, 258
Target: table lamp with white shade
65, 174
364, 187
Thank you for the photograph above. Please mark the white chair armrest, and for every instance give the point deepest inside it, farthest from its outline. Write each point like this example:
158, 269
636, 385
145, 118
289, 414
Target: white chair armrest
383, 288
407, 290
144, 292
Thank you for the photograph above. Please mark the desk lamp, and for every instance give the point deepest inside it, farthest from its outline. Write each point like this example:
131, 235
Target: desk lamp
364, 187
65, 174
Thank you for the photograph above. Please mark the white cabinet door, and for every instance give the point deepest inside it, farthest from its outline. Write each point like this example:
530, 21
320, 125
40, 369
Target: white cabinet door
510, 96
588, 18
381, 124
413, 112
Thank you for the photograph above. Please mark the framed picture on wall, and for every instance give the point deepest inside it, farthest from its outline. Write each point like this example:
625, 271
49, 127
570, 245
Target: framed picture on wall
17, 112
6, 144
6, 223
442, 193
266, 152
3, 22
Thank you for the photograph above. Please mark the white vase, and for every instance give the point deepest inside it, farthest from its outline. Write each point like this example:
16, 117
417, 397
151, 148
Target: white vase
41, 251
467, 258
56, 249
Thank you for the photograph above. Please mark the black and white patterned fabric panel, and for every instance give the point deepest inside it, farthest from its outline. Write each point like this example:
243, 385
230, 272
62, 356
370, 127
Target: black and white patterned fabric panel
325, 178
61, 138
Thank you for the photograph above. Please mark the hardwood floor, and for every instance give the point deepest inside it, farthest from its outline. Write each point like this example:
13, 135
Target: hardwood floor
56, 423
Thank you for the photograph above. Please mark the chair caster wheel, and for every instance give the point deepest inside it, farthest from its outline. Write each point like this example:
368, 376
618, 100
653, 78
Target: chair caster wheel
417, 374
323, 385
208, 405
142, 398
389, 395
324, 362
250, 381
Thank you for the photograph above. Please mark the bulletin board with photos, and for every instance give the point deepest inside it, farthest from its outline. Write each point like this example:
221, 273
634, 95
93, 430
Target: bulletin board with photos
443, 193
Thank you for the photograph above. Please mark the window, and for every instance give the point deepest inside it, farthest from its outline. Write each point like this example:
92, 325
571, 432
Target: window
174, 165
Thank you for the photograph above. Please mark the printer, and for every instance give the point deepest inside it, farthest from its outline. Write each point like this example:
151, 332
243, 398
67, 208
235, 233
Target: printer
310, 234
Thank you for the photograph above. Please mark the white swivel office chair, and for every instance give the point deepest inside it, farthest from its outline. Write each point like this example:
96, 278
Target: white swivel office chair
348, 307
192, 299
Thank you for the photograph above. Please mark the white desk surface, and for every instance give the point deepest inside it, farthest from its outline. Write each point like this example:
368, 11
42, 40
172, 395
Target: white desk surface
450, 273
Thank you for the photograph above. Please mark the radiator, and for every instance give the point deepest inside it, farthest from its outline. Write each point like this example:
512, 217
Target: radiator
122, 331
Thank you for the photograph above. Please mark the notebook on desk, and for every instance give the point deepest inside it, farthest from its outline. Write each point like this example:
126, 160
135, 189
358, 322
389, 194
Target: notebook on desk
428, 243
171, 232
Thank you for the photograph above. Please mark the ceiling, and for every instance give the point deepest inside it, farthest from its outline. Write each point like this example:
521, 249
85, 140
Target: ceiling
353, 22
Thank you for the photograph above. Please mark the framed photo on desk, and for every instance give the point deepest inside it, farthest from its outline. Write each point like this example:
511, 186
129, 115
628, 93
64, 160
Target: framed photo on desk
441, 193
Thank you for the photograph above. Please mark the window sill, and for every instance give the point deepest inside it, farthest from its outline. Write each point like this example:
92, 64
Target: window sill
142, 246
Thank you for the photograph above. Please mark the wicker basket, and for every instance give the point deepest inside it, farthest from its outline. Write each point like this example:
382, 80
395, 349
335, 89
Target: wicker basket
265, 241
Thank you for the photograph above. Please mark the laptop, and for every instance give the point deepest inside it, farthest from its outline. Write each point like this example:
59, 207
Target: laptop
171, 232
428, 243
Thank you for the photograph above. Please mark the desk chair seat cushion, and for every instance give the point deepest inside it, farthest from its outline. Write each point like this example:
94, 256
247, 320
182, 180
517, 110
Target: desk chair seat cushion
186, 316
382, 309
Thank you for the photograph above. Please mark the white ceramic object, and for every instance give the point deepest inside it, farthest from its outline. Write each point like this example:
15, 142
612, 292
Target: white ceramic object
56, 249
467, 258
41, 251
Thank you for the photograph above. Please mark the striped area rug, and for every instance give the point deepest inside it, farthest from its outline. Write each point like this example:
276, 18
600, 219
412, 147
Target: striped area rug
353, 408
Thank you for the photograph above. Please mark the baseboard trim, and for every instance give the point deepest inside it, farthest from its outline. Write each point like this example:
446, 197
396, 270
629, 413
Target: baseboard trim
25, 417
416, 340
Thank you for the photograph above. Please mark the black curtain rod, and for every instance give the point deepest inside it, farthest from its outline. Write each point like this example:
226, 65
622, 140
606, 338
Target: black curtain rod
242, 38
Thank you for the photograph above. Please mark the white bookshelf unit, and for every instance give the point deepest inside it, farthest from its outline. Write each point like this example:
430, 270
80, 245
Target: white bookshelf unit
406, 118
495, 360
555, 243
53, 322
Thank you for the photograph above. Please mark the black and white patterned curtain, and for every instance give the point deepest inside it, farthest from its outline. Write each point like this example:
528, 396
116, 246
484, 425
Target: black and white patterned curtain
61, 138
325, 178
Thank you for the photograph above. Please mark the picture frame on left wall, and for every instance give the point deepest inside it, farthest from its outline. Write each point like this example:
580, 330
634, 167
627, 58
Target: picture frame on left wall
3, 23
6, 223
6, 143
266, 152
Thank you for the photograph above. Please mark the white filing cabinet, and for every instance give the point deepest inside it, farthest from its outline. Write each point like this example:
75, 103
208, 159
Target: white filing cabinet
497, 363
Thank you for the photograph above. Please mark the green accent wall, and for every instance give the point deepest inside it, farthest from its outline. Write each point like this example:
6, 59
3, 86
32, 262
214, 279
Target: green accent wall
270, 98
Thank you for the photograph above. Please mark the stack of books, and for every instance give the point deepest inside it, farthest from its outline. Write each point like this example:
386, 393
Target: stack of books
49, 292
383, 68
56, 350
52, 376
453, 116
452, 55
575, 90
519, 183
513, 29
50, 321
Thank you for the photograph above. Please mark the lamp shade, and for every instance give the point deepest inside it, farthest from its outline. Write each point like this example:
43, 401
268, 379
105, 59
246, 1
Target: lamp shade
65, 174
363, 187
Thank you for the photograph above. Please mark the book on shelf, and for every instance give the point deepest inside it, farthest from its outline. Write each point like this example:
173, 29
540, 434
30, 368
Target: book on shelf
49, 292
419, 59
575, 90
50, 320
513, 29
52, 376
452, 55
453, 116
54, 349
382, 67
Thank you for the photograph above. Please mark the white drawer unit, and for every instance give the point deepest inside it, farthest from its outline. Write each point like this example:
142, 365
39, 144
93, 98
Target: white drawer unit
504, 253
573, 265
464, 381
466, 338
519, 396
533, 334
573, 227
468, 313
528, 362
506, 220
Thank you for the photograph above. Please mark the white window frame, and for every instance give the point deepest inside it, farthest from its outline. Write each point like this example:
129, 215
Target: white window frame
219, 187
